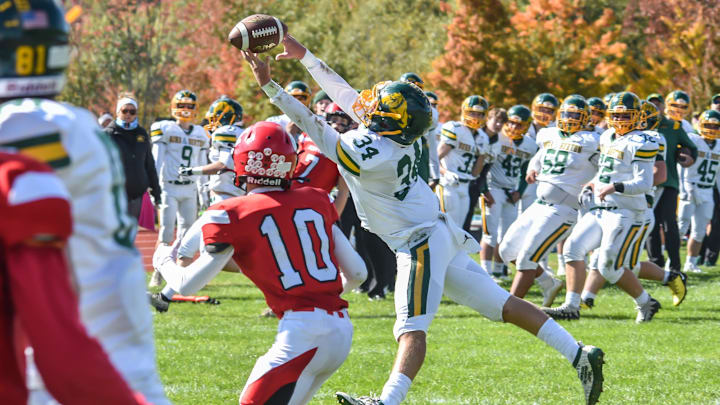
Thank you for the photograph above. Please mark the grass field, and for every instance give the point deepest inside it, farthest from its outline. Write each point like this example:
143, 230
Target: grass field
205, 353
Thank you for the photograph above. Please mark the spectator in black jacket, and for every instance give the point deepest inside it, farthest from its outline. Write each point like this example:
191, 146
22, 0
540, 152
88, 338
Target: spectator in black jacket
134, 145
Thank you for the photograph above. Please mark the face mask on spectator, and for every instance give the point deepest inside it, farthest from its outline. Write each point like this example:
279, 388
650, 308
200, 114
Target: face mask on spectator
126, 125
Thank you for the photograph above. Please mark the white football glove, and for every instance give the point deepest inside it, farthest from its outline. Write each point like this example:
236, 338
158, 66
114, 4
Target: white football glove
452, 178
587, 198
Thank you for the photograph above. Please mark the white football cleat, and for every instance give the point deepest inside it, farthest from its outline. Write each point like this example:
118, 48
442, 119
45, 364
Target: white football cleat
691, 268
551, 292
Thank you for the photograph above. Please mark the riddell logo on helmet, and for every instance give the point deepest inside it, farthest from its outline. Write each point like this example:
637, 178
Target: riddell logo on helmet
264, 181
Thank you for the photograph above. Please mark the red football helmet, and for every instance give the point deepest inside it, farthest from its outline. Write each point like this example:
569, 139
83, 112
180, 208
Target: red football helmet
337, 118
265, 156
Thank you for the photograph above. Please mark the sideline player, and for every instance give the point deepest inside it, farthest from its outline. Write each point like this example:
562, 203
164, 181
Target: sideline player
431, 250
107, 267
510, 156
291, 229
462, 150
624, 177
39, 304
177, 144
567, 159
646, 270
696, 198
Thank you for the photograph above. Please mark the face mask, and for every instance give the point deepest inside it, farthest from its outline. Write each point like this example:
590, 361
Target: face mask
125, 125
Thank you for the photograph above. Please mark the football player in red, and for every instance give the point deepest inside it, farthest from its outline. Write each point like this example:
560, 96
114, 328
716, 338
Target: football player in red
282, 239
39, 306
316, 169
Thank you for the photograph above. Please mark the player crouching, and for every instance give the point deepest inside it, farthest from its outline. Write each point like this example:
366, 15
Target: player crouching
292, 229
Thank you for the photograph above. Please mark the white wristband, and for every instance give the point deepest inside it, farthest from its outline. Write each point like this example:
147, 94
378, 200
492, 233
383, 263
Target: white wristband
197, 170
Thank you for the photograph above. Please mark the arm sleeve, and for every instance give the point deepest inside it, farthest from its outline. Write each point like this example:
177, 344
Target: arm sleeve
48, 312
433, 154
352, 267
190, 279
684, 140
483, 177
158, 153
335, 86
643, 177
324, 136
536, 161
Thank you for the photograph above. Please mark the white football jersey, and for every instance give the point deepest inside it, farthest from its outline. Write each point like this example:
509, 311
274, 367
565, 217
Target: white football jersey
618, 154
533, 129
703, 173
282, 120
221, 149
687, 127
568, 162
181, 148
508, 158
467, 146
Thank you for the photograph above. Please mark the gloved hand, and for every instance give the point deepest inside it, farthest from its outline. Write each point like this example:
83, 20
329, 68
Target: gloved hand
452, 178
586, 198
185, 171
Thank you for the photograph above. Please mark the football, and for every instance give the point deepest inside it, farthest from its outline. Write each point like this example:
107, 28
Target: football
257, 33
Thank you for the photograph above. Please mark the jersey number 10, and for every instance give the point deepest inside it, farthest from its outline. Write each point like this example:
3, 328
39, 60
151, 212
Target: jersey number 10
291, 277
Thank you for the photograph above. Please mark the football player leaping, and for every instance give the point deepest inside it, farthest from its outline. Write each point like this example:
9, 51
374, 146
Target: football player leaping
567, 159
624, 177
107, 267
379, 163
275, 231
647, 270
462, 151
506, 184
176, 145
696, 199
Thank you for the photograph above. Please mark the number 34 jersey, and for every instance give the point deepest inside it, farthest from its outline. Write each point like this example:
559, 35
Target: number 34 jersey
568, 162
182, 149
508, 157
283, 243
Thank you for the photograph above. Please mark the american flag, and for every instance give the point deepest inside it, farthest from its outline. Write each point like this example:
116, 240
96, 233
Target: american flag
34, 19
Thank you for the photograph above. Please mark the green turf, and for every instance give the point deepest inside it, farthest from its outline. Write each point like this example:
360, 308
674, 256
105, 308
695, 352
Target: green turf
205, 353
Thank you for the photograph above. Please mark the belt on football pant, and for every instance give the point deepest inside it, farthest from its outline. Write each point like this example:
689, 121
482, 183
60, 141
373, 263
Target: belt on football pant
338, 313
704, 186
603, 208
464, 180
180, 183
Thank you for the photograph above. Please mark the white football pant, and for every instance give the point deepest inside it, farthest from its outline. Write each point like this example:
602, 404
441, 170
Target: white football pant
436, 262
454, 200
530, 239
177, 201
498, 217
309, 347
696, 214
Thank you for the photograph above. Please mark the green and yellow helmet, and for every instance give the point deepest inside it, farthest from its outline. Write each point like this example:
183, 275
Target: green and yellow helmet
34, 48
677, 105
649, 116
223, 111
183, 106
474, 111
397, 110
709, 124
715, 102
573, 115
300, 90
597, 110
518, 122
624, 112
606, 98
544, 107
432, 97
413, 78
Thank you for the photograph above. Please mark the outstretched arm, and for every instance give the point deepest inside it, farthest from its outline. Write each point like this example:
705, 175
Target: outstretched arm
190, 279
323, 135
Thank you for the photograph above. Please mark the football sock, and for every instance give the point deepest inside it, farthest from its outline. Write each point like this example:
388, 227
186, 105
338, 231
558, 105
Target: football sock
544, 280
587, 294
642, 299
572, 299
559, 339
561, 261
487, 265
168, 292
692, 259
666, 277
395, 389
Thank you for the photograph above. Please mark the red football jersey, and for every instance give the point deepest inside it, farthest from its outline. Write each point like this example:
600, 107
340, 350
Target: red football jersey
283, 243
320, 171
26, 188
